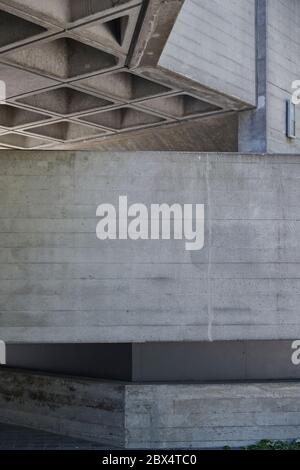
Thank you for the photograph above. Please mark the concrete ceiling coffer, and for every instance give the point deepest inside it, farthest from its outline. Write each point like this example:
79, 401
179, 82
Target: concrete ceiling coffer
66, 131
72, 75
21, 141
65, 101
62, 58
124, 86
123, 119
67, 14
12, 117
180, 106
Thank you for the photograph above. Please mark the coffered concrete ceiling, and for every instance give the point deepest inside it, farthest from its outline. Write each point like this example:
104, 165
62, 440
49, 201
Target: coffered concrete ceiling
81, 71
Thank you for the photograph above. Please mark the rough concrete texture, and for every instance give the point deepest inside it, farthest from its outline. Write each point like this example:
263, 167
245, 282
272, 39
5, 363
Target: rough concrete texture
153, 415
264, 129
210, 416
82, 408
70, 60
59, 283
209, 134
253, 124
13, 437
282, 69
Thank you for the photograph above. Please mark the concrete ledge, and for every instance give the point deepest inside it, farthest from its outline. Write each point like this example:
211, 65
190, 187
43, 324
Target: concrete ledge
210, 415
153, 415
84, 408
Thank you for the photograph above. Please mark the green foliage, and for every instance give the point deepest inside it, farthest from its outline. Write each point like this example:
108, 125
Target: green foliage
273, 445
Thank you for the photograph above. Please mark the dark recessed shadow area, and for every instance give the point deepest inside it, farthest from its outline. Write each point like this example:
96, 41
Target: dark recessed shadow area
218, 361
64, 12
14, 29
11, 116
109, 32
106, 361
80, 9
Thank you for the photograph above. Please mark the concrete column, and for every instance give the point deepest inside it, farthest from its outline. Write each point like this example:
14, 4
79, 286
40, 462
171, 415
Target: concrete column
253, 124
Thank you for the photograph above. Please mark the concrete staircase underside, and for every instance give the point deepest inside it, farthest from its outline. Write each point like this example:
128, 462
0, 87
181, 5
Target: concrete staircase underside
74, 75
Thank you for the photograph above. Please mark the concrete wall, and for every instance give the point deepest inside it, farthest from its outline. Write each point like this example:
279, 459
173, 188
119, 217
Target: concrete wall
223, 56
277, 44
204, 416
151, 415
283, 68
60, 284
